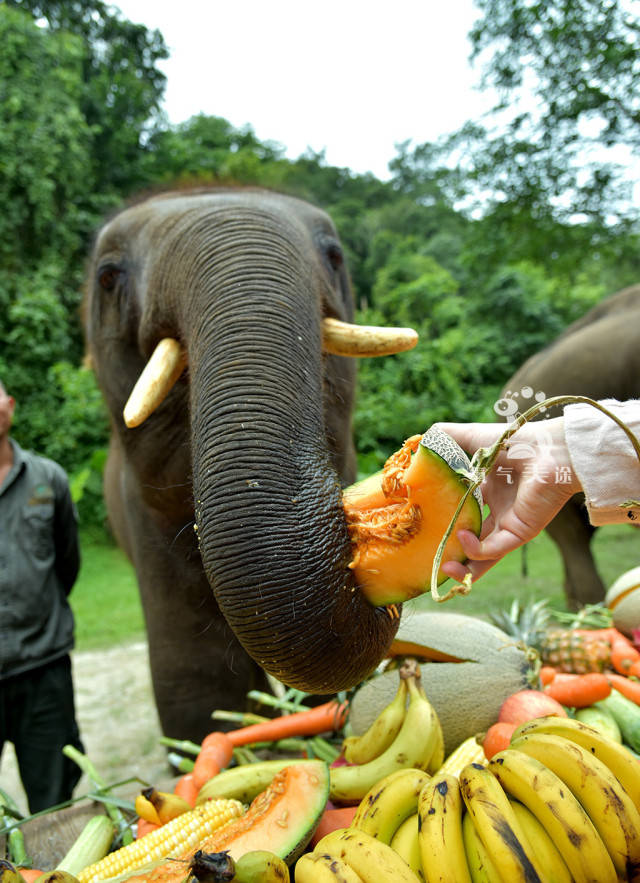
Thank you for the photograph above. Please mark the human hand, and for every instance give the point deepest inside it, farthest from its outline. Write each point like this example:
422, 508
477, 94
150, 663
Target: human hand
530, 482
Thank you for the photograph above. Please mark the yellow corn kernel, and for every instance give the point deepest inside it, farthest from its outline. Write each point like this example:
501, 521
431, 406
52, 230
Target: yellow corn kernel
468, 751
179, 835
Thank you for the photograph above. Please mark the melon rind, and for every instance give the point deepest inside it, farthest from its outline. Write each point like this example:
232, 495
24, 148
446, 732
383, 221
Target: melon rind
623, 599
466, 695
447, 448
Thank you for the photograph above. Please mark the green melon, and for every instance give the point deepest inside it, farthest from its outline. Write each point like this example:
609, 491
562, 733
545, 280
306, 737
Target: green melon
468, 669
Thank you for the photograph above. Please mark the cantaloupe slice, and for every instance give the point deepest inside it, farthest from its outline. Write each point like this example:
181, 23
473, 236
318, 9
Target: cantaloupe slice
398, 517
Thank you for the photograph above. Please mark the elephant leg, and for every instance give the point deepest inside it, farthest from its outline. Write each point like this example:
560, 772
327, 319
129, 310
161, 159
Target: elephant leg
572, 533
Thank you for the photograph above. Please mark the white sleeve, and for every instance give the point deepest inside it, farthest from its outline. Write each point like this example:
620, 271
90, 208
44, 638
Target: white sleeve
604, 459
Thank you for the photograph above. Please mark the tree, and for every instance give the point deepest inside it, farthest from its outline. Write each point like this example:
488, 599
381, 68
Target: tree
567, 76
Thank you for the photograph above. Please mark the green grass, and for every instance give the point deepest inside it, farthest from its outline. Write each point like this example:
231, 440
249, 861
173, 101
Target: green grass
105, 598
108, 612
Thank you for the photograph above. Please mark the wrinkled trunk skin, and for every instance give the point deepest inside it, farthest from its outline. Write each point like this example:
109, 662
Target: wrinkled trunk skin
255, 436
269, 517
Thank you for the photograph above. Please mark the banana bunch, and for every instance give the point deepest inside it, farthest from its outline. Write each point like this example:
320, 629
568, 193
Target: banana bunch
406, 734
561, 804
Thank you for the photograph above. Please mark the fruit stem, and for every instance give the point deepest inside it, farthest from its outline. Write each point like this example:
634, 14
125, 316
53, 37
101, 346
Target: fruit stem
483, 462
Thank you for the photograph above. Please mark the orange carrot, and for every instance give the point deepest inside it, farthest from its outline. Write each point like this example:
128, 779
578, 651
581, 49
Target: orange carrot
144, 826
578, 691
221, 744
206, 766
332, 818
625, 685
497, 737
546, 674
186, 788
310, 722
30, 874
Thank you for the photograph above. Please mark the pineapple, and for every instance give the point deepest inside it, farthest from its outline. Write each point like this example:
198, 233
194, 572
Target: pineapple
565, 649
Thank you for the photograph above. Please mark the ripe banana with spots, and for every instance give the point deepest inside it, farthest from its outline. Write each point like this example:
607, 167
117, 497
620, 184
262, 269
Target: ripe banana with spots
497, 826
407, 844
613, 813
532, 783
481, 866
381, 733
542, 845
320, 867
413, 747
391, 800
620, 761
442, 852
437, 758
373, 860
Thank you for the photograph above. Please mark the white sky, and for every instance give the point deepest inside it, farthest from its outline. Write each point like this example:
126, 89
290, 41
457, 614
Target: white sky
351, 77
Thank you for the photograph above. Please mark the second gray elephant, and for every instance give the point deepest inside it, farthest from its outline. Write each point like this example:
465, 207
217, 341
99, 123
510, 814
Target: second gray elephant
227, 498
597, 356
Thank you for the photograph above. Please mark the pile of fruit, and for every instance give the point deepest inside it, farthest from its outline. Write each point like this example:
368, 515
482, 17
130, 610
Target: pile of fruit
547, 789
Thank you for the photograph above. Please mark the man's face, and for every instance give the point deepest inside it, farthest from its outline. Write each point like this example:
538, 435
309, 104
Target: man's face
7, 405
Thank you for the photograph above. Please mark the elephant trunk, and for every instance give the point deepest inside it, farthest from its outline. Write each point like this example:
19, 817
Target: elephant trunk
269, 514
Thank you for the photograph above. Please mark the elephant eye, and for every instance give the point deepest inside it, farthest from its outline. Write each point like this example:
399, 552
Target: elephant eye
108, 277
334, 255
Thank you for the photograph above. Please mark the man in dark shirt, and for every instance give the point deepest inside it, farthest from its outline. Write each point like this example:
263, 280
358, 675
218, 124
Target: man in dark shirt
39, 562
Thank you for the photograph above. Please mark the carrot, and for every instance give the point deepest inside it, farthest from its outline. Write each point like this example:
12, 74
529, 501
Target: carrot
498, 737
186, 788
207, 766
578, 691
310, 722
30, 874
546, 674
628, 687
143, 827
332, 818
221, 744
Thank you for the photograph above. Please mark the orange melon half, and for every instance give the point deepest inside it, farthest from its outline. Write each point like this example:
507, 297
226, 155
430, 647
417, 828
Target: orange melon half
398, 517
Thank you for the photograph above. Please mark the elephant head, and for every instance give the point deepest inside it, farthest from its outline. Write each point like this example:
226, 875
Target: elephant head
233, 482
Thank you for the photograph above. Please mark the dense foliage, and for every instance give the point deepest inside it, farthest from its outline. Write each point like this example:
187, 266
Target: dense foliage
489, 258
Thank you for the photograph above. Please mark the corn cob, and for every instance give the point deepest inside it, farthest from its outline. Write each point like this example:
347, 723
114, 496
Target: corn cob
175, 838
469, 751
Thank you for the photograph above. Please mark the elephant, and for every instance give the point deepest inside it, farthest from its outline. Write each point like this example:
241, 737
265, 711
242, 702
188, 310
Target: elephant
596, 356
224, 484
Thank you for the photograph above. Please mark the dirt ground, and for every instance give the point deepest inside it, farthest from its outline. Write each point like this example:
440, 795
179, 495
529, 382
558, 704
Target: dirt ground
117, 719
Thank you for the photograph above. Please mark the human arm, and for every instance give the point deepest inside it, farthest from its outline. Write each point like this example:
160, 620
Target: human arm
531, 481
65, 530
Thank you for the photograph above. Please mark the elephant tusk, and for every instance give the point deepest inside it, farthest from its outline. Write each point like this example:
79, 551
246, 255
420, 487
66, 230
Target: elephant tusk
345, 339
339, 338
166, 364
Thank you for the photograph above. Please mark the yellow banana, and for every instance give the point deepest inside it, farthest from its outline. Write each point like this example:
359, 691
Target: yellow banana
481, 867
372, 859
437, 758
610, 808
405, 842
497, 825
412, 747
320, 867
469, 751
166, 805
386, 805
145, 809
260, 866
440, 832
542, 845
621, 763
558, 811
381, 733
